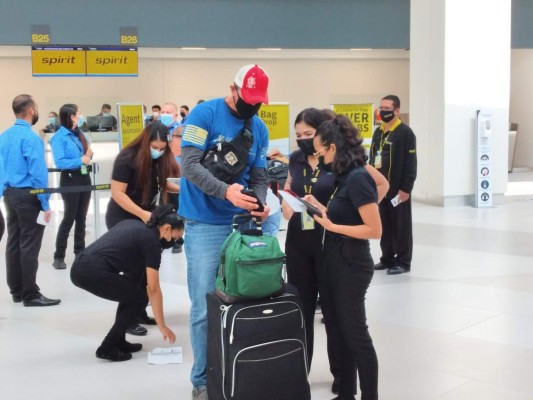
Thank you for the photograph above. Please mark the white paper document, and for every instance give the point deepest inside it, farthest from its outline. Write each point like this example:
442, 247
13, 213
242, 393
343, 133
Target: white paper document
292, 201
395, 201
176, 181
40, 219
166, 355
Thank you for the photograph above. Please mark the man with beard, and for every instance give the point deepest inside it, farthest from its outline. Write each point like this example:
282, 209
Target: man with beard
24, 165
208, 203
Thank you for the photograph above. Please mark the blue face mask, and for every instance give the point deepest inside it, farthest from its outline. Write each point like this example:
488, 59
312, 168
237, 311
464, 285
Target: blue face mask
165, 119
81, 121
156, 153
51, 121
105, 114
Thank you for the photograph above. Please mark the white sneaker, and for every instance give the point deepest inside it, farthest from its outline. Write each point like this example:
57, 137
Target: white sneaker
199, 393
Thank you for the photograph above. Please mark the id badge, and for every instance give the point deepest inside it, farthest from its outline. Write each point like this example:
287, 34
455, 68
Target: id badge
377, 161
83, 169
308, 223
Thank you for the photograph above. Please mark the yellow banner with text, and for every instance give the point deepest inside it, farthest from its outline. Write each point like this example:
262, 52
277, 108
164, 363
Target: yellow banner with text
130, 122
362, 117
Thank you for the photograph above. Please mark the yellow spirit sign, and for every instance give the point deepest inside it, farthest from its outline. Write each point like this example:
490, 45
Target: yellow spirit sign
117, 61
58, 61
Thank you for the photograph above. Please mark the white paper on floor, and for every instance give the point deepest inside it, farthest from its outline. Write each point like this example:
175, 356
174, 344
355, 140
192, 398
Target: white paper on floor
166, 355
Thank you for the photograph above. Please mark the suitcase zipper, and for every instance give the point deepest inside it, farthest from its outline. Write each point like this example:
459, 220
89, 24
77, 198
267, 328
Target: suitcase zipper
263, 261
266, 344
261, 305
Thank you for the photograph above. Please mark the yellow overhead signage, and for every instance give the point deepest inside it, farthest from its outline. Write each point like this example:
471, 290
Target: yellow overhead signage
112, 61
130, 122
50, 61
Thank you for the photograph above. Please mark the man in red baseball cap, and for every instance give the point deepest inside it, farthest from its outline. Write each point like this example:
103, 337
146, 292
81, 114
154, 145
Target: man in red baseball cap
208, 200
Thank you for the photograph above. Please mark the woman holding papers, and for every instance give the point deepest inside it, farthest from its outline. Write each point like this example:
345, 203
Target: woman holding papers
115, 268
350, 219
304, 237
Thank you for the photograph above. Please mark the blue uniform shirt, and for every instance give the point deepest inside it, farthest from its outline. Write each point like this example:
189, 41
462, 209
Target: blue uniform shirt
22, 154
1, 177
67, 149
207, 124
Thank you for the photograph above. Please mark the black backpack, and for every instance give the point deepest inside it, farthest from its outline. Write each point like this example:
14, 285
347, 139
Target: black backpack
228, 160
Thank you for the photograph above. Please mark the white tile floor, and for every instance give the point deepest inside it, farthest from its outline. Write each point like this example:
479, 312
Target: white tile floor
459, 326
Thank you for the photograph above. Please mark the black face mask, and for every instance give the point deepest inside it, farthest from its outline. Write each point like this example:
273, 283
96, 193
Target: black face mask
167, 244
246, 110
306, 145
182, 114
34, 119
324, 167
386, 115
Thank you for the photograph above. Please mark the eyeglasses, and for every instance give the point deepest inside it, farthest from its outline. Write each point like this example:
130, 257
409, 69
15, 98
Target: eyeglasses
317, 154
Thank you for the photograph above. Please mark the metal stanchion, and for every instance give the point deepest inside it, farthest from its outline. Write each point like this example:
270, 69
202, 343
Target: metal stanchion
96, 203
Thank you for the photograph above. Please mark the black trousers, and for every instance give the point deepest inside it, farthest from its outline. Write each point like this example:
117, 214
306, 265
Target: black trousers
76, 206
349, 268
304, 271
110, 222
92, 274
397, 237
24, 237
2, 225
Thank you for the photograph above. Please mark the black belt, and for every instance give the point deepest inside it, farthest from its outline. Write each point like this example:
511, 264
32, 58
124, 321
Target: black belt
70, 171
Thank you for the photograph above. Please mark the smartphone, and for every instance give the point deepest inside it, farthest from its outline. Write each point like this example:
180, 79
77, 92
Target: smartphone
251, 193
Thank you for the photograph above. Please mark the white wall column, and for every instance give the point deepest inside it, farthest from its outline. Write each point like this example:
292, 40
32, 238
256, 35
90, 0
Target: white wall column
460, 63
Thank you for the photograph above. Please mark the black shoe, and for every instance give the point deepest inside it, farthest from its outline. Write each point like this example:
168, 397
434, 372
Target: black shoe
17, 298
137, 330
40, 301
146, 320
127, 347
396, 270
177, 248
59, 263
335, 387
380, 266
112, 355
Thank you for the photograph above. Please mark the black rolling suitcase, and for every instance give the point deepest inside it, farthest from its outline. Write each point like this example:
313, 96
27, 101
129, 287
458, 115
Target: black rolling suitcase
256, 350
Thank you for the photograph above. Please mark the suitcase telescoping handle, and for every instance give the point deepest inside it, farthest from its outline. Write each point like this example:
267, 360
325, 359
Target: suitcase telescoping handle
240, 219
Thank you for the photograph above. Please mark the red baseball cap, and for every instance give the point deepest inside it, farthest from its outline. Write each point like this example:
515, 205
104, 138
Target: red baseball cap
253, 82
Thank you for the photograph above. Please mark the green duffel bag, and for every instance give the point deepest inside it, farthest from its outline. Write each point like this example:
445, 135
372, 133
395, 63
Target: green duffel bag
251, 265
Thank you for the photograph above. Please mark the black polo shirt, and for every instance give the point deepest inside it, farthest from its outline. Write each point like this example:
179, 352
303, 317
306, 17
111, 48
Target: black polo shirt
356, 188
129, 247
125, 171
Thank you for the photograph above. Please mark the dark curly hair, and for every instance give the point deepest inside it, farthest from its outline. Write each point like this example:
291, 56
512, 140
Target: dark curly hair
341, 132
165, 214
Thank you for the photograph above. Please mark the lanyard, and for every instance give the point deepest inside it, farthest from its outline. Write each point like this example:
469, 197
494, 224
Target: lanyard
313, 180
384, 137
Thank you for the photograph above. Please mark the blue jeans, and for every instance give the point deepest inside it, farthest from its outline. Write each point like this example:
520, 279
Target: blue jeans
202, 250
271, 224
